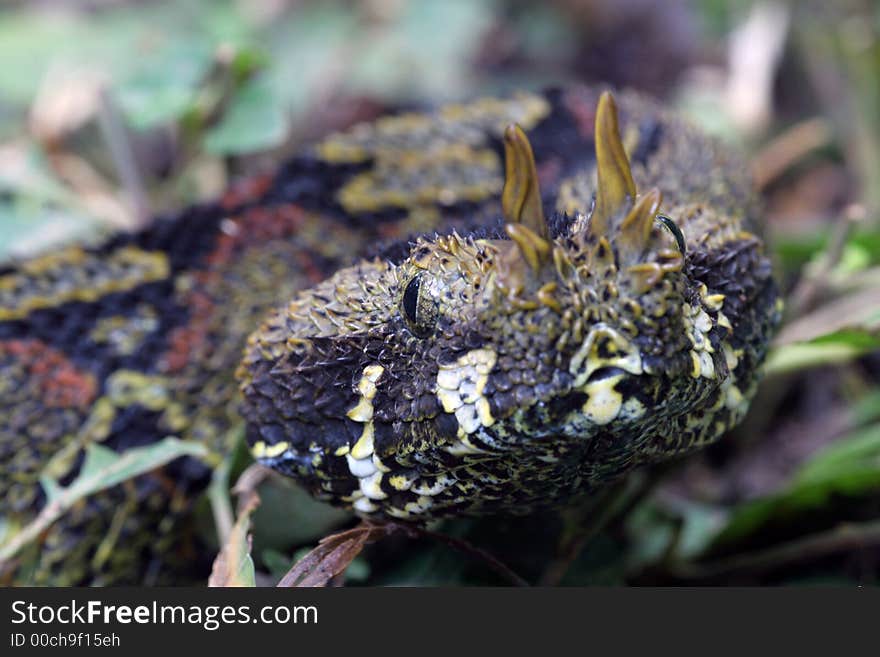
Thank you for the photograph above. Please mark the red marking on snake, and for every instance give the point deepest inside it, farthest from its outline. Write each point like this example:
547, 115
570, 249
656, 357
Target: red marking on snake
61, 384
185, 342
583, 108
246, 191
252, 227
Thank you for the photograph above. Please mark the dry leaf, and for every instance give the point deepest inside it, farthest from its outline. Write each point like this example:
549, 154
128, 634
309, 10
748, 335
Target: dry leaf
233, 565
332, 556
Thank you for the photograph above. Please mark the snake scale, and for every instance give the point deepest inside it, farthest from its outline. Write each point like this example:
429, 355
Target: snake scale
489, 307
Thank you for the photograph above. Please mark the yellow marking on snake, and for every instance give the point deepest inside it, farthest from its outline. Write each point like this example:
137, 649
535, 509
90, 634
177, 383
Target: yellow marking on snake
604, 347
400, 482
714, 301
363, 412
460, 387
477, 174
363, 448
363, 463
371, 486
441, 483
364, 505
418, 507
604, 402
60, 278
697, 324
377, 463
261, 450
425, 133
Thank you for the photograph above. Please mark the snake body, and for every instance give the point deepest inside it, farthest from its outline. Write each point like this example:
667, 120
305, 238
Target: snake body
495, 306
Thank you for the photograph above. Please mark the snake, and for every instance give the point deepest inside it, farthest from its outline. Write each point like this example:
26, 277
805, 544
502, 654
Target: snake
497, 306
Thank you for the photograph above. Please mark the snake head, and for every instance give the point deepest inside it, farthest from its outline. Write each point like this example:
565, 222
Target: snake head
549, 345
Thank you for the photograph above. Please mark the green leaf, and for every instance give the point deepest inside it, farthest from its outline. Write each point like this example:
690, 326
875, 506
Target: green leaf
255, 120
247, 60
98, 458
869, 242
100, 471
701, 525
29, 43
24, 171
676, 528
858, 452
849, 467
854, 258
27, 228
289, 516
234, 565
867, 409
424, 51
863, 340
164, 85
106, 471
358, 570
116, 42
794, 357
51, 488
36, 210
307, 47
858, 336
277, 563
795, 252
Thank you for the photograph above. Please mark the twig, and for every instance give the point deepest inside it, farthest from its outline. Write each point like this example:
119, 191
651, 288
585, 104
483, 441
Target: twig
614, 502
221, 507
854, 310
841, 539
233, 565
249, 480
123, 157
128, 465
49, 514
754, 51
465, 548
839, 81
788, 148
857, 310
815, 278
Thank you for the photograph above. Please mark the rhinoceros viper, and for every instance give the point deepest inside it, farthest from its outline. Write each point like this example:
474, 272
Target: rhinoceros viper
490, 307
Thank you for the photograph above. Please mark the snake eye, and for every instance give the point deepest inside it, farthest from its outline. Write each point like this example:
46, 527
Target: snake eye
673, 228
419, 310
